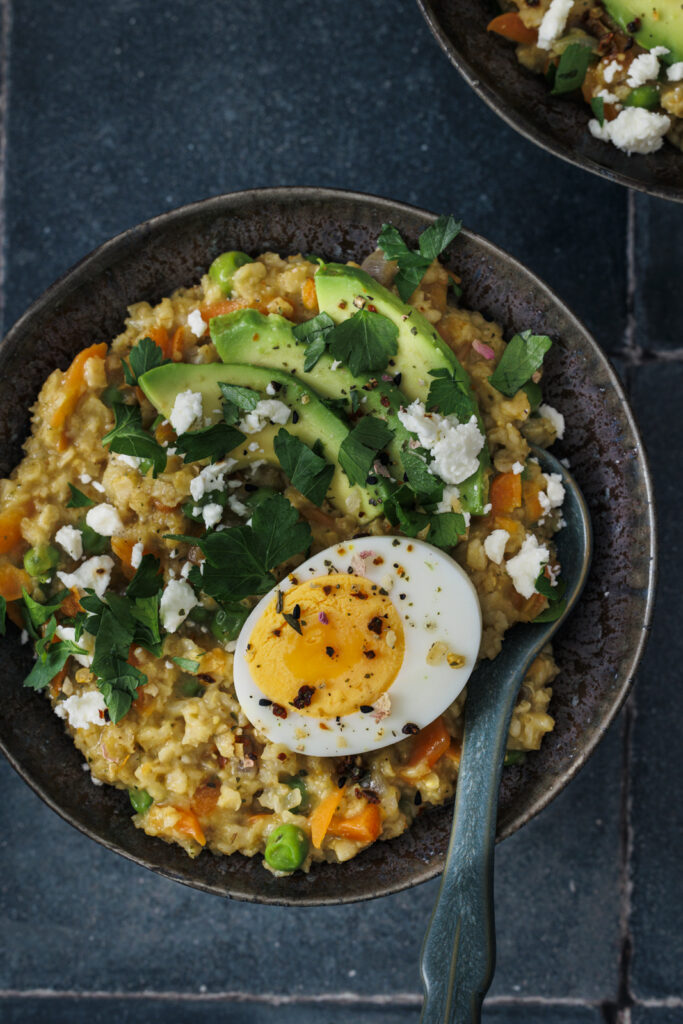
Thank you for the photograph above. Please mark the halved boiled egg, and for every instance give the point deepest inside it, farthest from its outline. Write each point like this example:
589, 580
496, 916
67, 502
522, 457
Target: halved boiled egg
367, 642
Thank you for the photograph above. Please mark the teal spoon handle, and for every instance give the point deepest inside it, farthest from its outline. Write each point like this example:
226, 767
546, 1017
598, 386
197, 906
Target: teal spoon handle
458, 955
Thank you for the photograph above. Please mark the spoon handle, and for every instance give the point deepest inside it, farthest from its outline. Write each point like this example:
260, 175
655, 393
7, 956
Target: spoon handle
458, 955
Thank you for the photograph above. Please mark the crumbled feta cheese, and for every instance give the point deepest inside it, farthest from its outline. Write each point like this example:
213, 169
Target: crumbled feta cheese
186, 409
86, 641
608, 97
454, 446
610, 70
85, 478
230, 646
555, 489
186, 570
645, 67
83, 710
129, 460
268, 410
494, 545
70, 540
255, 447
211, 478
525, 567
554, 20
634, 130
93, 574
237, 506
487, 508
271, 389
196, 323
177, 601
450, 494
105, 520
517, 468
136, 554
555, 417
212, 514
98, 486
335, 364
674, 72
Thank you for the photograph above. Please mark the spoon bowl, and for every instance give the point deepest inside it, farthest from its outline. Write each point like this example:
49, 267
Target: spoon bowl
458, 955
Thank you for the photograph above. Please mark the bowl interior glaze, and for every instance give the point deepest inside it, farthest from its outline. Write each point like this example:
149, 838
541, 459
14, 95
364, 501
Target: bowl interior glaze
559, 124
597, 649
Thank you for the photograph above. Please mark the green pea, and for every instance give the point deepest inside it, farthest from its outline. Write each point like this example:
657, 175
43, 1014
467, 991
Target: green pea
227, 622
514, 757
224, 266
646, 96
200, 614
296, 782
190, 687
286, 848
41, 561
140, 799
93, 543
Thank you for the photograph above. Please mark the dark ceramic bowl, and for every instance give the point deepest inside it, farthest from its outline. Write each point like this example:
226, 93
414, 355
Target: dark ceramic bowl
559, 124
598, 649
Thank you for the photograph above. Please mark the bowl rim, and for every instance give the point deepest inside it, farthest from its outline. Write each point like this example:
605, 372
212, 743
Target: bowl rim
497, 102
72, 279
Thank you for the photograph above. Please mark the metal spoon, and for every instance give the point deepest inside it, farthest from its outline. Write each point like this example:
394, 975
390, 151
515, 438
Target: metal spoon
458, 954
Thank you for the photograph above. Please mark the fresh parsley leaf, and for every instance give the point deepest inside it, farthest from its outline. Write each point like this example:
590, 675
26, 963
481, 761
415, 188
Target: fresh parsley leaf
572, 68
3, 611
314, 333
391, 243
365, 342
147, 580
359, 449
598, 108
239, 560
246, 399
446, 529
46, 667
78, 498
307, 471
210, 443
427, 487
128, 437
38, 614
187, 665
120, 690
552, 612
523, 355
438, 236
144, 356
450, 394
533, 393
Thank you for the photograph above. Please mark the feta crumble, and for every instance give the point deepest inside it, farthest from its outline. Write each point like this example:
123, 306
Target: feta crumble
236, 506
517, 468
555, 417
554, 489
105, 520
268, 410
526, 566
177, 601
634, 130
610, 70
83, 710
86, 641
195, 322
494, 545
450, 494
186, 409
454, 446
98, 486
212, 514
93, 574
129, 460
335, 364
70, 540
136, 554
674, 72
211, 478
645, 67
554, 20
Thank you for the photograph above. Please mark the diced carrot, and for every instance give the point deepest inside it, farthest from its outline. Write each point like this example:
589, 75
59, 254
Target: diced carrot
229, 306
363, 827
429, 745
530, 491
71, 605
205, 799
123, 549
74, 384
12, 582
532, 607
513, 526
505, 493
319, 820
188, 825
10, 527
177, 345
143, 701
308, 294
159, 335
510, 26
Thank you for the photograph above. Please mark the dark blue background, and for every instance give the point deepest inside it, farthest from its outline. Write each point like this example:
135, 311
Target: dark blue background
116, 112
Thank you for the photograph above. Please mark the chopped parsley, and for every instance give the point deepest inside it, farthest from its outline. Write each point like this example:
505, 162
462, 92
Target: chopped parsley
211, 443
427, 487
598, 108
572, 68
413, 264
359, 449
128, 437
522, 357
78, 499
314, 333
365, 342
188, 665
555, 596
144, 356
307, 470
237, 400
450, 394
51, 657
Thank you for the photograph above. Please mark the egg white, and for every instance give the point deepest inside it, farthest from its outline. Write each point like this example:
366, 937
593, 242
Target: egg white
437, 603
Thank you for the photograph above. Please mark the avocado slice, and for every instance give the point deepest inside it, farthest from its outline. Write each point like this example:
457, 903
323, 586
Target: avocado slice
314, 420
652, 24
420, 349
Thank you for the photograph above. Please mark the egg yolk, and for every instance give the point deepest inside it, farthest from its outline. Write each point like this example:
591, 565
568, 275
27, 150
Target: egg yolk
327, 647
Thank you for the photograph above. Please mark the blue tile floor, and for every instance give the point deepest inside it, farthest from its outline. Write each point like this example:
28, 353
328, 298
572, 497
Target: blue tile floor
115, 113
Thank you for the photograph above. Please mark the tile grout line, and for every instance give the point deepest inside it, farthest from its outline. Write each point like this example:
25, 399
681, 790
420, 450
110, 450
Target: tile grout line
5, 30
